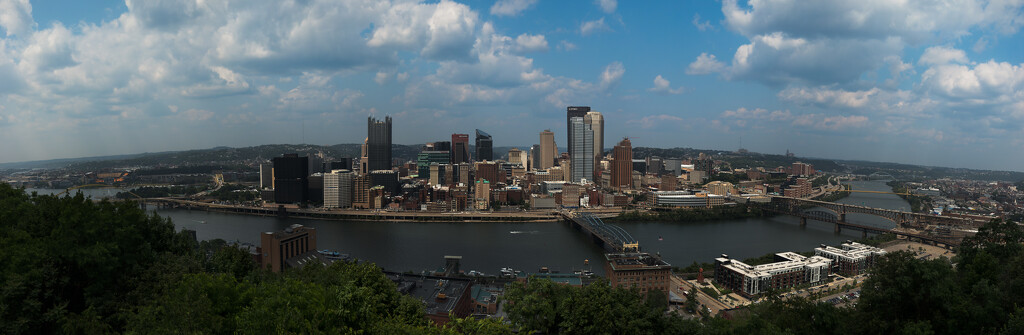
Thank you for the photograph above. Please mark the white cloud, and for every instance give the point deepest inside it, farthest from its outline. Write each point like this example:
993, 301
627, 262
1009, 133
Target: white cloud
828, 97
662, 86
608, 6
531, 43
612, 74
942, 55
566, 46
984, 83
701, 25
381, 77
511, 7
705, 64
16, 17
591, 27
757, 114
836, 41
652, 121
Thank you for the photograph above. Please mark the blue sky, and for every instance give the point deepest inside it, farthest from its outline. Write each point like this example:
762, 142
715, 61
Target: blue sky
922, 82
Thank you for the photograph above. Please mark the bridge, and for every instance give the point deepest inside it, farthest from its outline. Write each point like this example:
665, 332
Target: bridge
947, 231
612, 237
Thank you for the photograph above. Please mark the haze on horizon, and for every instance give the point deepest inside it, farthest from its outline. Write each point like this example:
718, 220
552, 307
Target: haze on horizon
910, 82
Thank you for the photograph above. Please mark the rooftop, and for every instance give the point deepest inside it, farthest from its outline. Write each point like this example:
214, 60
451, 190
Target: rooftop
635, 261
439, 295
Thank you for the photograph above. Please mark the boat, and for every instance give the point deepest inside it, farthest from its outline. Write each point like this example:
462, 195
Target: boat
660, 239
508, 272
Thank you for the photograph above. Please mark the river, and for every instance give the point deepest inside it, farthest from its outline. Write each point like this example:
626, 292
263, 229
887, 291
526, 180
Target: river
487, 247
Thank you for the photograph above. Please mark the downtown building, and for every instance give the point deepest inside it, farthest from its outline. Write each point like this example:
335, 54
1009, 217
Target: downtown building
290, 179
378, 144
581, 150
484, 146
460, 149
548, 151
338, 189
790, 269
622, 166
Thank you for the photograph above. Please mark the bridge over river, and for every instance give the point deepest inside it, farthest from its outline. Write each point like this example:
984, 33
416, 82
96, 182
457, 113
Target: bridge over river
610, 236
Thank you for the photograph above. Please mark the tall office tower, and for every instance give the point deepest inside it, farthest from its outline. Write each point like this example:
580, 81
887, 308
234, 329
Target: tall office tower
363, 160
343, 163
548, 150
460, 148
427, 157
534, 157
338, 189
464, 173
378, 144
484, 146
316, 163
443, 146
266, 176
571, 112
488, 171
290, 181
361, 191
596, 122
581, 155
622, 165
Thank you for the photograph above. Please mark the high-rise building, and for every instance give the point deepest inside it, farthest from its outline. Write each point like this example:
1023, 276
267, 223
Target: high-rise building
343, 163
548, 150
534, 154
460, 148
571, 112
290, 181
517, 157
425, 158
488, 171
484, 146
622, 165
266, 176
315, 188
378, 144
338, 189
581, 155
596, 122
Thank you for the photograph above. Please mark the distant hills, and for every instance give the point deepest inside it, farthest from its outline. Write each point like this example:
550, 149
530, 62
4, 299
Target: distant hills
228, 157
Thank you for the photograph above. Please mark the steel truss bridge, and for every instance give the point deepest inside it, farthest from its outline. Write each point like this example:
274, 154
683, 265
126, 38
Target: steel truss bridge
949, 230
610, 236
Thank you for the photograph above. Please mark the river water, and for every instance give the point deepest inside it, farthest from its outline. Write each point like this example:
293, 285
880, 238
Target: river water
487, 247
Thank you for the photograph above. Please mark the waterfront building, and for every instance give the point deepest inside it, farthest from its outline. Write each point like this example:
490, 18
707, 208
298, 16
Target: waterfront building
484, 146
548, 150
442, 297
638, 270
315, 189
801, 188
685, 199
338, 189
622, 165
361, 191
851, 258
378, 144
482, 194
789, 269
581, 154
290, 178
278, 247
460, 148
720, 188
266, 176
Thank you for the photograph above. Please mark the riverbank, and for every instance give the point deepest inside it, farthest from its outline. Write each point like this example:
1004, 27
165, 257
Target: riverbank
741, 211
918, 204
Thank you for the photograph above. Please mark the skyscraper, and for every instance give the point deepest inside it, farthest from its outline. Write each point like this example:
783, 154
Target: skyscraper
622, 165
517, 157
533, 159
460, 148
548, 150
581, 154
290, 181
378, 144
484, 146
571, 112
596, 122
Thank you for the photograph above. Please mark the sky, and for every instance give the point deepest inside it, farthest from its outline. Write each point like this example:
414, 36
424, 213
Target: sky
921, 82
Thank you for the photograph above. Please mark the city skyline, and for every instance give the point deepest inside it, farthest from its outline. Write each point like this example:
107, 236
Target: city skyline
939, 86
